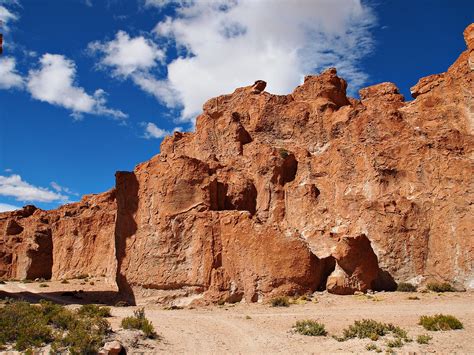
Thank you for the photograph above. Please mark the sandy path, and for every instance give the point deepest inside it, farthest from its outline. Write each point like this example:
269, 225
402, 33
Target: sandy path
226, 330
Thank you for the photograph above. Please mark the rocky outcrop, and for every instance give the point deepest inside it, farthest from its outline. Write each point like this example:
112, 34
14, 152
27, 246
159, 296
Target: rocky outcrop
279, 195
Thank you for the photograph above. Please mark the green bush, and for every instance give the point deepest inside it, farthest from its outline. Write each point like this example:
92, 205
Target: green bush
440, 322
310, 328
406, 287
373, 347
284, 153
139, 322
440, 287
395, 343
371, 329
28, 326
92, 310
23, 324
281, 301
423, 339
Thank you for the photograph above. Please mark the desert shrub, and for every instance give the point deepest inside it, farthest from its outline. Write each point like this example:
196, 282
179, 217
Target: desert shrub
369, 328
122, 304
85, 336
440, 287
30, 326
406, 287
23, 324
440, 322
394, 343
414, 298
43, 285
92, 310
310, 328
281, 301
284, 153
64, 281
140, 322
82, 276
373, 347
423, 339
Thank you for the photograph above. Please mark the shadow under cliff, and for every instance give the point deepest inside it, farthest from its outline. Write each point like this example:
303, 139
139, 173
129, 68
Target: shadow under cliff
126, 185
109, 298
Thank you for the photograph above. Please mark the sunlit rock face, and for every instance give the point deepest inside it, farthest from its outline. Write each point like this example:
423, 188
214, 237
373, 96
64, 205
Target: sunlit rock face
279, 195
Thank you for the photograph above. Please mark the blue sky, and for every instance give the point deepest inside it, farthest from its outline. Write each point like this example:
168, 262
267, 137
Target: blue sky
88, 87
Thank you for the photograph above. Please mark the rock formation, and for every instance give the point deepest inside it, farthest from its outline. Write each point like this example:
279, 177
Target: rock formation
279, 195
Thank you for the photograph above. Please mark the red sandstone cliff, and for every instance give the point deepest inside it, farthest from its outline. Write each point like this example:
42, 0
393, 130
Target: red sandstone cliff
279, 194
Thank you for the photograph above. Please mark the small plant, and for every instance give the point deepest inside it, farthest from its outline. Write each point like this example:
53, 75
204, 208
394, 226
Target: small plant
373, 347
92, 310
423, 339
310, 328
43, 285
369, 328
82, 276
414, 298
284, 153
122, 304
406, 287
440, 322
282, 301
394, 343
221, 302
64, 281
91, 283
139, 322
248, 317
440, 287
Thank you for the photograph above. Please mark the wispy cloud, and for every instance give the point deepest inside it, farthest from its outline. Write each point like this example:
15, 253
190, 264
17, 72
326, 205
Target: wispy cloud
153, 131
58, 188
5, 207
54, 82
14, 186
6, 16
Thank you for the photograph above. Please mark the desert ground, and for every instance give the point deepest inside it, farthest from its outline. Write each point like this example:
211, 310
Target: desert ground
261, 329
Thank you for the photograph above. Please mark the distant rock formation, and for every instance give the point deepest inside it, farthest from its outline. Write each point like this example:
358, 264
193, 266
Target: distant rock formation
279, 195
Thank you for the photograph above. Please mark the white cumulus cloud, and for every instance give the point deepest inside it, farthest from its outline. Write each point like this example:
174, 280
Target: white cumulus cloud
5, 207
128, 55
54, 82
14, 186
9, 76
226, 44
135, 58
153, 131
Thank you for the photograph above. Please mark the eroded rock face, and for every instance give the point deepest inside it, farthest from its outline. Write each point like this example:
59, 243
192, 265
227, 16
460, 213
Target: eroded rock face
282, 195
75, 239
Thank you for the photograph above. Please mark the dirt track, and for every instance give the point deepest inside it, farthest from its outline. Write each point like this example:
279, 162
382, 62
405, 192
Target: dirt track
227, 329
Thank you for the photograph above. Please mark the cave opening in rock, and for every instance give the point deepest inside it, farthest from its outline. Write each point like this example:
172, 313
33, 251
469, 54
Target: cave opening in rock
328, 265
41, 265
226, 198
